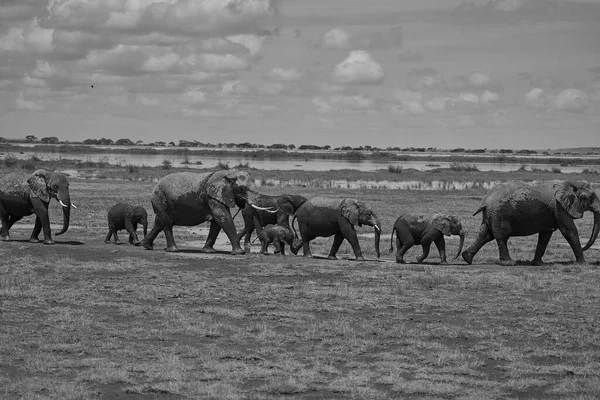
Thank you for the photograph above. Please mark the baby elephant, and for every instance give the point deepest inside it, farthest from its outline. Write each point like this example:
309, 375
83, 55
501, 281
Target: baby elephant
421, 229
126, 216
278, 235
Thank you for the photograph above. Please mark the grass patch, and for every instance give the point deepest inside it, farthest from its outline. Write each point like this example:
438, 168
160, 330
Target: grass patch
463, 167
395, 169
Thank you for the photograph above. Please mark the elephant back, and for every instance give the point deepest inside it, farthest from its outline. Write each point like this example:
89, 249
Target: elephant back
326, 202
15, 184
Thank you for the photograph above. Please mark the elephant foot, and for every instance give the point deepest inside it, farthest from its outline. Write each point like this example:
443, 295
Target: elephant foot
135, 243
107, 241
172, 249
537, 262
443, 262
49, 241
238, 252
467, 257
34, 240
247, 248
507, 263
332, 257
419, 260
208, 249
400, 261
580, 260
360, 258
147, 245
6, 238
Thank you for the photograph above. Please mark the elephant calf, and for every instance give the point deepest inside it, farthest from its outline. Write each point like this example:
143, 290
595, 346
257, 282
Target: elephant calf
278, 235
420, 229
126, 216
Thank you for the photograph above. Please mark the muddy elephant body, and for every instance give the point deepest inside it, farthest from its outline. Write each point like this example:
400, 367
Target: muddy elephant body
325, 217
278, 235
412, 229
279, 208
23, 194
522, 209
189, 199
126, 216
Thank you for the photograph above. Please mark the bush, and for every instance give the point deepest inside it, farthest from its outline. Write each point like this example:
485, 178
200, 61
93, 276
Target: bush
241, 165
198, 162
354, 155
456, 166
395, 169
556, 170
223, 165
10, 160
28, 164
167, 164
133, 169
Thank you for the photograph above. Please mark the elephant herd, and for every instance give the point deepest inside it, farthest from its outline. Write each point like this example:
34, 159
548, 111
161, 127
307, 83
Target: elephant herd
188, 199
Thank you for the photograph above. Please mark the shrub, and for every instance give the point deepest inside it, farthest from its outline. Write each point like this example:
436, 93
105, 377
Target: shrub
456, 166
354, 155
28, 164
395, 169
167, 164
556, 170
198, 162
10, 160
223, 165
241, 165
133, 169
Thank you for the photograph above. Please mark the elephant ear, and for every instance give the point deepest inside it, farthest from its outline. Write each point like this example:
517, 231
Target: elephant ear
566, 193
289, 204
38, 185
220, 187
349, 210
441, 222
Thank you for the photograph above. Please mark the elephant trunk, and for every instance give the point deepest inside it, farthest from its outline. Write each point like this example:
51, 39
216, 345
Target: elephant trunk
65, 202
377, 239
145, 225
460, 244
594, 231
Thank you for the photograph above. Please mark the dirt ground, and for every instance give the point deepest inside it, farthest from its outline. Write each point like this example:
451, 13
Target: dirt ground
82, 319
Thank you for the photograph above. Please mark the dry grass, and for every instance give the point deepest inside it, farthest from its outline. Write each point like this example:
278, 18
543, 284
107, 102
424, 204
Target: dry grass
79, 321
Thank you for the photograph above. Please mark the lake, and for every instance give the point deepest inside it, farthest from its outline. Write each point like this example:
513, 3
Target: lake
153, 160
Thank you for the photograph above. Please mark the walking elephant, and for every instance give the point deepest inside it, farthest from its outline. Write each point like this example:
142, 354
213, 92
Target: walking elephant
279, 235
126, 216
324, 217
522, 209
285, 206
413, 229
23, 194
189, 198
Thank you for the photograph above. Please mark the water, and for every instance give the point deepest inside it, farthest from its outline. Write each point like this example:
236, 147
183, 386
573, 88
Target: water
373, 184
154, 160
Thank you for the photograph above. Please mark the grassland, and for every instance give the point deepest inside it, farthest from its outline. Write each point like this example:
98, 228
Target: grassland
83, 319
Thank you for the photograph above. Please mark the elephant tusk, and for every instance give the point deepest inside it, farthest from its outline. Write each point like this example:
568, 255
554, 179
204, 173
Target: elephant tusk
73, 205
265, 209
63, 204
377, 228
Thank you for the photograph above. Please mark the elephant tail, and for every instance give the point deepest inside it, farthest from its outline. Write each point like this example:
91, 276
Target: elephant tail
294, 229
480, 209
392, 240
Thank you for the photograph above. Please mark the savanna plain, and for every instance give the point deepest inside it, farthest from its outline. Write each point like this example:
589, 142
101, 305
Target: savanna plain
83, 319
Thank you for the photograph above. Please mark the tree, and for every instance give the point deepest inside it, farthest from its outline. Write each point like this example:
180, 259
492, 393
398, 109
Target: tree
91, 141
30, 138
49, 139
124, 142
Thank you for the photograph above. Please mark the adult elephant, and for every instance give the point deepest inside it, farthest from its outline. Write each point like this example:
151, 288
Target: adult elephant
23, 194
279, 209
522, 209
189, 198
324, 217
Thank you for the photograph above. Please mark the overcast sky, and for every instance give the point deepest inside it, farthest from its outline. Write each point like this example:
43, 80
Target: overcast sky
443, 73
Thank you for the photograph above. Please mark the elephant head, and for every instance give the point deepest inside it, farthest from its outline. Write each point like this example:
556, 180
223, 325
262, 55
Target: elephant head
449, 225
46, 185
232, 188
287, 205
576, 197
359, 213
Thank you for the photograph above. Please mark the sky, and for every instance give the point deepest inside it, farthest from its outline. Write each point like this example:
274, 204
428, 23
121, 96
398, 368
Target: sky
411, 73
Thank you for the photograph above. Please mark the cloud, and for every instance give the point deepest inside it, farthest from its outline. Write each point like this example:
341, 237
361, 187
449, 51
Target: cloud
338, 38
284, 75
234, 88
344, 103
573, 100
23, 104
359, 68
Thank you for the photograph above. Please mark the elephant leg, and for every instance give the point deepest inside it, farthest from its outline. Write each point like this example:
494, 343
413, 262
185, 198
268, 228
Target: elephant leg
337, 242
440, 243
108, 235
569, 231
426, 246
264, 248
543, 239
403, 243
306, 238
37, 228
148, 240
223, 218
45, 224
4, 218
213, 232
278, 247
133, 237
484, 236
353, 240
503, 251
116, 236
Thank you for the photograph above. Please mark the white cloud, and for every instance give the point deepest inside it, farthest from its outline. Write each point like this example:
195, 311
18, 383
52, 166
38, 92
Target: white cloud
437, 104
344, 103
193, 97
284, 75
223, 63
571, 100
359, 68
234, 88
336, 38
406, 95
489, 97
23, 104
535, 98
160, 63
